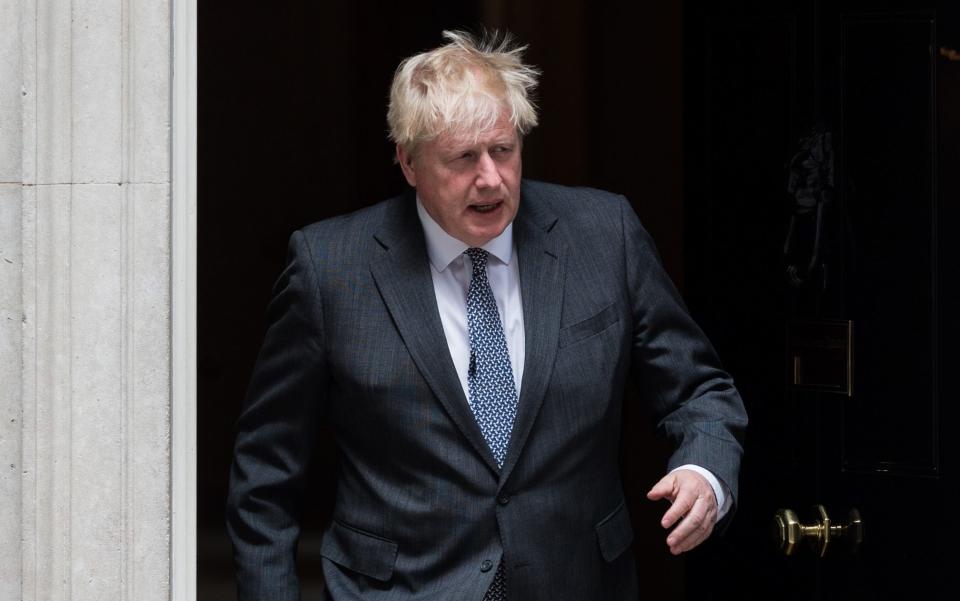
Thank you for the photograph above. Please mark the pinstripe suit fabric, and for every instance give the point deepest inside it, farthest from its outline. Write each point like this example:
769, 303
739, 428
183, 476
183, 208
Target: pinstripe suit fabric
423, 505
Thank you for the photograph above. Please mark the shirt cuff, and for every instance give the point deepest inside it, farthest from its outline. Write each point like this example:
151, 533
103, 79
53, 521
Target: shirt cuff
719, 489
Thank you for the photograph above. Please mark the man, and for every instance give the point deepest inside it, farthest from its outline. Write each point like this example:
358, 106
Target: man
468, 343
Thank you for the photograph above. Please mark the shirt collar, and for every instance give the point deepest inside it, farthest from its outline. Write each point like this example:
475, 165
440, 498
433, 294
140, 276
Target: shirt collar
442, 248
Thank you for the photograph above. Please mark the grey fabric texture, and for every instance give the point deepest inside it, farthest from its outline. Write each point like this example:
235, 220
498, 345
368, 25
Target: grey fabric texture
423, 510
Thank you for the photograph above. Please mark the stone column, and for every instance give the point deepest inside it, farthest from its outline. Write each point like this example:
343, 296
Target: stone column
85, 280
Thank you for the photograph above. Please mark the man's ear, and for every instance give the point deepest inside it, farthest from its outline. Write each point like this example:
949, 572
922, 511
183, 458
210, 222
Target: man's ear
406, 164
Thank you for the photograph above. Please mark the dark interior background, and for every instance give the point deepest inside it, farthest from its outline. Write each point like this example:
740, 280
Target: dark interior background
693, 110
292, 105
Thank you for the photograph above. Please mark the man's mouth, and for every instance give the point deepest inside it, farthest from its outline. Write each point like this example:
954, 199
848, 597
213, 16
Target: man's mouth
486, 207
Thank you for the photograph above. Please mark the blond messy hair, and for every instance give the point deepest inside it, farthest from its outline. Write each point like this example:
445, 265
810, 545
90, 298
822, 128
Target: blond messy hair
461, 88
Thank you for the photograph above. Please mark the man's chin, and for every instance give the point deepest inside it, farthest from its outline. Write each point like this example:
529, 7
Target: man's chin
487, 226
479, 236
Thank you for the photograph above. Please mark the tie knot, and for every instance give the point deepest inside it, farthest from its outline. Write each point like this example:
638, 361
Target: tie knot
479, 258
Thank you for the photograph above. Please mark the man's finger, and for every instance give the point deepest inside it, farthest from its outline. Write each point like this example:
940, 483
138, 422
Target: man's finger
693, 539
681, 507
693, 510
693, 529
664, 489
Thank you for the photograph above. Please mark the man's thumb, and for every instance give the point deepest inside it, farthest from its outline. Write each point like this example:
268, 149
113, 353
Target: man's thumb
663, 488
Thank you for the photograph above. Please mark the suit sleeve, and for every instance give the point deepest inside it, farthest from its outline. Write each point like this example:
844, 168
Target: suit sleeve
275, 435
694, 400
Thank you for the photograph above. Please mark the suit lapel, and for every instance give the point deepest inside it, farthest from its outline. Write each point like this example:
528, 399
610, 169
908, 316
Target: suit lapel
403, 278
541, 288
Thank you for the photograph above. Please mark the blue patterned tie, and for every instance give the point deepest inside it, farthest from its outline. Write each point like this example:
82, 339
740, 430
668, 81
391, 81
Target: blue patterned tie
493, 394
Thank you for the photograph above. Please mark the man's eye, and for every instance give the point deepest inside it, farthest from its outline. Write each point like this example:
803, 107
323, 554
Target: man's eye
502, 149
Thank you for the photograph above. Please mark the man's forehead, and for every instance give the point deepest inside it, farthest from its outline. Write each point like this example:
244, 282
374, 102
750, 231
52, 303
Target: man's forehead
465, 138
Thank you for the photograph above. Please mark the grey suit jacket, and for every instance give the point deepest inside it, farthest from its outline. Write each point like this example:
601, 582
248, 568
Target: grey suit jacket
422, 511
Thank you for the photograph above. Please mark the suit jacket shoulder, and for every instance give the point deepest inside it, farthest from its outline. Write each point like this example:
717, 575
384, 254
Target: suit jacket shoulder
352, 235
575, 203
587, 217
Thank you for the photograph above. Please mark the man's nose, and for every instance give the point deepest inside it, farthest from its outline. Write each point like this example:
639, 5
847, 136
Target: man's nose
488, 176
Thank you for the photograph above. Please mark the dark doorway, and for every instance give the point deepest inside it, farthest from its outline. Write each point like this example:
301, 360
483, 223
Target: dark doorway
292, 130
870, 252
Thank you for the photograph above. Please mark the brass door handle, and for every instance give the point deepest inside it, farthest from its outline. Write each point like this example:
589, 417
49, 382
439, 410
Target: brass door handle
788, 531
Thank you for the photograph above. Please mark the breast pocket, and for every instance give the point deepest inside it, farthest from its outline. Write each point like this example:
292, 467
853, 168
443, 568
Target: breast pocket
589, 326
359, 551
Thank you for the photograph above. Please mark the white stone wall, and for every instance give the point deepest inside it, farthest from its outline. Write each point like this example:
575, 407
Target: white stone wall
10, 300
85, 189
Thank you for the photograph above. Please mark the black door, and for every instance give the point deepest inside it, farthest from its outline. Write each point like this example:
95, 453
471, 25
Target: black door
822, 152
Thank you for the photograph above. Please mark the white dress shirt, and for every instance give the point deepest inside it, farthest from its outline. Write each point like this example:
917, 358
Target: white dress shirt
451, 271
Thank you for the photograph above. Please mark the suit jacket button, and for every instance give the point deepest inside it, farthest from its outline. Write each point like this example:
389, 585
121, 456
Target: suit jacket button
486, 566
503, 499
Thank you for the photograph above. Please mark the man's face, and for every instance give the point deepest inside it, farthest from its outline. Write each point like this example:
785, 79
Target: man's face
470, 188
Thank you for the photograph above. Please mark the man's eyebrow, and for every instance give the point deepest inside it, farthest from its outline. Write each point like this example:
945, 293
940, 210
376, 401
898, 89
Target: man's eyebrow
454, 151
458, 147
